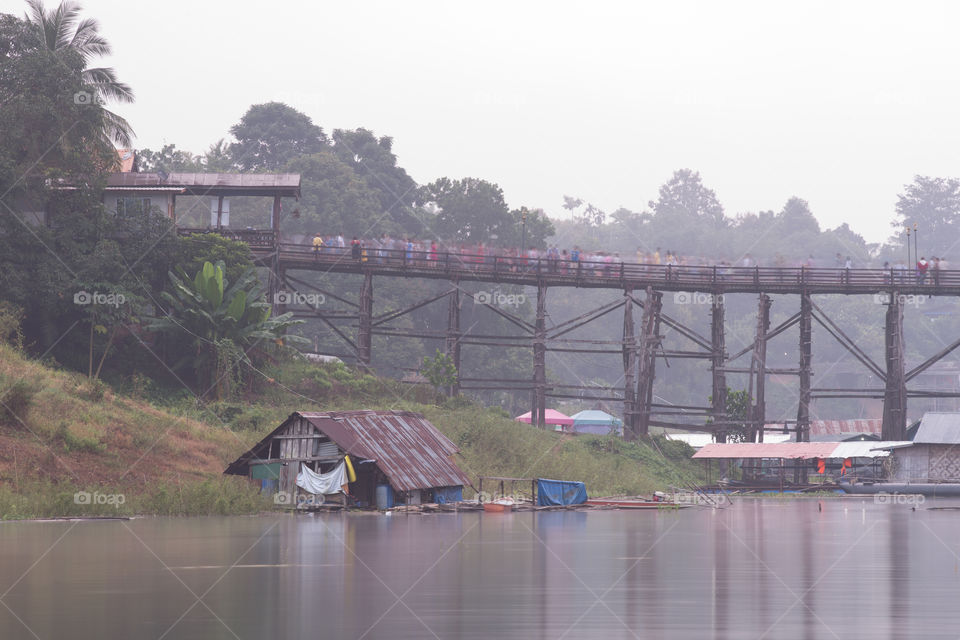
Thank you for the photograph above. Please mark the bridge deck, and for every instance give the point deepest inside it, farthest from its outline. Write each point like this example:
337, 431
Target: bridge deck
618, 275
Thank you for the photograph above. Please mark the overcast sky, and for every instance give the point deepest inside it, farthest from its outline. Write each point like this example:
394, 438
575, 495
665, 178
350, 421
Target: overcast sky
840, 103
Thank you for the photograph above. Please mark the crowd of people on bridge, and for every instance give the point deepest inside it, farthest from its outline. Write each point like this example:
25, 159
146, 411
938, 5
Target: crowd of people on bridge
426, 253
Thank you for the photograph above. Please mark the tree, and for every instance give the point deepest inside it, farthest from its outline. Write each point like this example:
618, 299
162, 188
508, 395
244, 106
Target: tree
169, 158
738, 413
933, 204
47, 135
372, 159
469, 210
272, 134
439, 370
684, 199
62, 31
796, 218
335, 199
224, 322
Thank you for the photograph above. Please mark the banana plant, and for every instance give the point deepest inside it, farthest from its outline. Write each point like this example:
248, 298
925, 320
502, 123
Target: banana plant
226, 323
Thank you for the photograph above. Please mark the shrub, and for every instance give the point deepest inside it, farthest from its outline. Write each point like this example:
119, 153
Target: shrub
15, 403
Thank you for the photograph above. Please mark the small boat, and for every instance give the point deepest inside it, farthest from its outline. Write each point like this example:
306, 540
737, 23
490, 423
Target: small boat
636, 503
500, 505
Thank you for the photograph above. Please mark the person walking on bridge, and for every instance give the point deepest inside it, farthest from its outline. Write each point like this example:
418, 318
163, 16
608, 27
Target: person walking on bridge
317, 245
922, 266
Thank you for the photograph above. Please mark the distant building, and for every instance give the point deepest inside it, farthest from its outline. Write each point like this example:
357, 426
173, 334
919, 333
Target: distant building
396, 449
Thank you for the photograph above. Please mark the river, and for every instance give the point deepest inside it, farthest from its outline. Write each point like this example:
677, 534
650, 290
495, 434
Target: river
760, 568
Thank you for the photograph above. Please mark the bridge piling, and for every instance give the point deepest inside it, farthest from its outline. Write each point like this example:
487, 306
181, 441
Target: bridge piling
758, 409
453, 334
806, 357
629, 363
364, 341
538, 413
718, 397
895, 393
649, 343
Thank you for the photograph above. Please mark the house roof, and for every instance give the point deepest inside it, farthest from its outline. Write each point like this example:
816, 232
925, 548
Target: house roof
213, 184
789, 450
938, 428
836, 427
800, 450
409, 450
595, 416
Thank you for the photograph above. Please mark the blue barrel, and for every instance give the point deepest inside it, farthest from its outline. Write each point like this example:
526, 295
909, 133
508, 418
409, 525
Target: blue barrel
384, 497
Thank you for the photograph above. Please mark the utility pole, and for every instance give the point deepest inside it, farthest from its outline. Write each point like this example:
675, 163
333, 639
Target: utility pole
523, 237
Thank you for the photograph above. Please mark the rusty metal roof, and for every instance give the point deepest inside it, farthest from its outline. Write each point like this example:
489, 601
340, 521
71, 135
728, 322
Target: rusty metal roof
835, 427
790, 450
409, 450
241, 184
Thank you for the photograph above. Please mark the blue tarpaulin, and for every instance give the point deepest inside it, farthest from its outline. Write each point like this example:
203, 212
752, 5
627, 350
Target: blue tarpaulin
443, 495
560, 492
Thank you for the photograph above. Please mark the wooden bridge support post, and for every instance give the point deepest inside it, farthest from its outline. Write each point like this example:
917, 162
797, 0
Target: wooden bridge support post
649, 343
803, 406
538, 413
895, 395
718, 395
364, 335
629, 364
453, 335
806, 362
758, 409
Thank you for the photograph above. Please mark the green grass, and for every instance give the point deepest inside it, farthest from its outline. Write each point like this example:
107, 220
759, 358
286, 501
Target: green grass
165, 454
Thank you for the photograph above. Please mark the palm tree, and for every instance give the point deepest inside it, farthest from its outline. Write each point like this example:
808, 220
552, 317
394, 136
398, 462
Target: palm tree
62, 29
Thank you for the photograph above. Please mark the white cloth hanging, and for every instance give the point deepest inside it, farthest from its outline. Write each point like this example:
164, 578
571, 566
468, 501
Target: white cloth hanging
324, 483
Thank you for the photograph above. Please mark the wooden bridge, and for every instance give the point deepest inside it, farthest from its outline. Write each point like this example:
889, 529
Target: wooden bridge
640, 345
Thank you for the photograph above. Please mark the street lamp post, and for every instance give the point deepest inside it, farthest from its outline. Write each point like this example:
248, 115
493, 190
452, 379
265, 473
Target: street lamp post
916, 233
523, 235
909, 264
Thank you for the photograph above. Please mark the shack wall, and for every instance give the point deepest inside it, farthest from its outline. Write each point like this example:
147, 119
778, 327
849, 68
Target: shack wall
944, 462
911, 464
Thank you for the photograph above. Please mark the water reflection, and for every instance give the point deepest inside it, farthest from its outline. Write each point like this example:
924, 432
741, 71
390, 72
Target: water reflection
761, 568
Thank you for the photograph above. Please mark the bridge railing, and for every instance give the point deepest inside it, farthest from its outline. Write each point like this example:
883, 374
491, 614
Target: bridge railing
256, 238
677, 275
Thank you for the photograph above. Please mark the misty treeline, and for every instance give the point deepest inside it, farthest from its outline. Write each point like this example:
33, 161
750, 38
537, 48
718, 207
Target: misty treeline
353, 184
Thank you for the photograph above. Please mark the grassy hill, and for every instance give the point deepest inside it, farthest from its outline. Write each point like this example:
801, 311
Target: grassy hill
62, 435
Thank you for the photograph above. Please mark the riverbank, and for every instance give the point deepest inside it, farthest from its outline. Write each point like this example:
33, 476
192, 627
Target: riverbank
73, 447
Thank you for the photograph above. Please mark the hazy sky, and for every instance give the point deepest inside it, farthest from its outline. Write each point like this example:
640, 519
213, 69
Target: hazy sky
840, 103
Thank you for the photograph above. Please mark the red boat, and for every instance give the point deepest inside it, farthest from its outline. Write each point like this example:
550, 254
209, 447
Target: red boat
503, 505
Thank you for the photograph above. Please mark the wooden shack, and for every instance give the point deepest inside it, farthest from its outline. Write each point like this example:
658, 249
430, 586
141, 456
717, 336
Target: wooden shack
933, 455
400, 449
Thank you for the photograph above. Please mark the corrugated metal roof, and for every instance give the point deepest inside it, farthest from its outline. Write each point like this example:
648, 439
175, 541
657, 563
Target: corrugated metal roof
409, 450
836, 427
800, 450
939, 428
865, 449
791, 450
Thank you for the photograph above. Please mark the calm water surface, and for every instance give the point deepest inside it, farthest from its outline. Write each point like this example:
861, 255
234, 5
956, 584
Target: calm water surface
758, 569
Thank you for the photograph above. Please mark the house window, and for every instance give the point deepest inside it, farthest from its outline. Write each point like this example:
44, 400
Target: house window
132, 206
